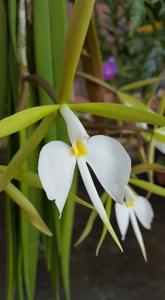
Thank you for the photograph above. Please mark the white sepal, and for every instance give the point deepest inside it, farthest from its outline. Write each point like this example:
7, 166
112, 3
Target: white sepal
138, 233
56, 167
76, 130
122, 217
111, 164
143, 211
88, 182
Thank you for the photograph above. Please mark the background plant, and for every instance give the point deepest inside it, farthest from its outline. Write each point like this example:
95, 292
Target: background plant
39, 57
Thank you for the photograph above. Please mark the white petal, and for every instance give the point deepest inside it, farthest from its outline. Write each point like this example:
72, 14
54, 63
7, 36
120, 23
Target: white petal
88, 182
160, 146
144, 211
130, 194
122, 217
56, 167
111, 164
76, 130
138, 233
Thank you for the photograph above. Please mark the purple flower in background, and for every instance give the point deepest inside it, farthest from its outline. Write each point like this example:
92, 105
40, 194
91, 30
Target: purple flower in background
110, 69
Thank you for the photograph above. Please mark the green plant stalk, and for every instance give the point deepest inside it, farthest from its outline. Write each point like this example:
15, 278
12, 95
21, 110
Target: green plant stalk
26, 149
67, 228
78, 27
108, 208
43, 44
3, 58
11, 249
148, 186
58, 20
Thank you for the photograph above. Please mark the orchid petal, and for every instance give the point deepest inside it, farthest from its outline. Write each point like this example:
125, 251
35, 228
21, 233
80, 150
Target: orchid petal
56, 168
160, 146
88, 182
143, 211
111, 164
76, 130
138, 233
122, 217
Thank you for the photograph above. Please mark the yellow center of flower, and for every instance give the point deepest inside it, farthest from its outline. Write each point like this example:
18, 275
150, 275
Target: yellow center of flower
79, 149
129, 203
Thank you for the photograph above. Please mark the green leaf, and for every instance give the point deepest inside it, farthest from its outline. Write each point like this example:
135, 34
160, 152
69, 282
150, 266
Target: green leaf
145, 167
28, 208
26, 149
66, 232
148, 186
58, 19
78, 27
141, 83
108, 207
119, 112
87, 229
3, 58
25, 118
43, 44
10, 250
90, 223
12, 12
132, 102
80, 201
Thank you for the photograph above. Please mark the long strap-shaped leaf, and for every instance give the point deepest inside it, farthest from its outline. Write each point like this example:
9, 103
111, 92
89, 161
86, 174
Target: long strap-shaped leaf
120, 112
75, 38
26, 150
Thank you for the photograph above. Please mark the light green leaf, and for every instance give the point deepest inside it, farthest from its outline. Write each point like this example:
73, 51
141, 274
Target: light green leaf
119, 112
3, 58
26, 149
108, 207
141, 83
132, 102
80, 201
78, 27
148, 186
25, 118
87, 229
145, 167
28, 208
90, 223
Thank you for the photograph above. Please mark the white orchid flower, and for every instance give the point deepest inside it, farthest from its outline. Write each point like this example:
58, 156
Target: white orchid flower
106, 156
135, 207
159, 135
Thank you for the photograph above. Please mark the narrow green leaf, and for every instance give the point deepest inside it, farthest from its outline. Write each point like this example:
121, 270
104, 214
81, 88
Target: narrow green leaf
28, 208
26, 149
74, 42
108, 207
148, 186
141, 83
143, 168
80, 201
90, 223
12, 12
25, 118
66, 232
3, 58
58, 19
43, 44
10, 250
119, 112
132, 102
87, 229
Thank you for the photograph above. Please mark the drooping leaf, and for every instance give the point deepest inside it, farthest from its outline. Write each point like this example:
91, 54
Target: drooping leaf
25, 118
148, 186
28, 208
119, 112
